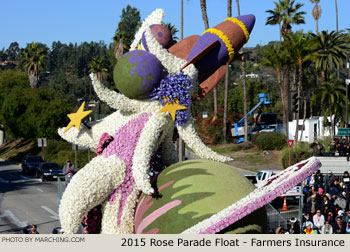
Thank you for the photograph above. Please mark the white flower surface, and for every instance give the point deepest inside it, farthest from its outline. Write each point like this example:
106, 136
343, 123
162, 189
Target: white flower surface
88, 188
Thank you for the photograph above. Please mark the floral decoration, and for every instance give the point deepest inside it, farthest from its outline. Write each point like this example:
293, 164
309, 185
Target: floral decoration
175, 87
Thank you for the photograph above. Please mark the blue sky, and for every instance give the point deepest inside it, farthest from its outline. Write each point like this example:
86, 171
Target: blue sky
77, 20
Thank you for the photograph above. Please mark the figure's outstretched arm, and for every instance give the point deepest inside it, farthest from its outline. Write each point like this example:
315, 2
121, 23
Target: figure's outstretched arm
90, 137
189, 135
148, 143
89, 188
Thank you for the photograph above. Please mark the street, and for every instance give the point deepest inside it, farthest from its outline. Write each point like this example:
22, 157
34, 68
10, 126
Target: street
25, 200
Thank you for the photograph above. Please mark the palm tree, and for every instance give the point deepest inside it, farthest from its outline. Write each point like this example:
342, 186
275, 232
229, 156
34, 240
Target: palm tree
275, 18
203, 5
244, 80
173, 30
99, 66
32, 59
331, 50
316, 12
288, 14
301, 50
329, 95
277, 57
336, 14
224, 129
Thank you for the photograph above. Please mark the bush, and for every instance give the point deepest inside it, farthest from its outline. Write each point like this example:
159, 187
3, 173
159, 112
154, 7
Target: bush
299, 152
60, 151
270, 140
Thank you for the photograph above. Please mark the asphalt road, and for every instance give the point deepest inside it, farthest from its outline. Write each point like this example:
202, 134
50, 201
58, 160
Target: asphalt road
26, 200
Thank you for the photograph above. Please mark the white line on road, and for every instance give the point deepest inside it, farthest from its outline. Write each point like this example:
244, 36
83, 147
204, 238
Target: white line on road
23, 177
39, 190
4, 181
54, 214
14, 219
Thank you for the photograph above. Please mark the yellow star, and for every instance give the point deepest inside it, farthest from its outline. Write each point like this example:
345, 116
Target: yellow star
172, 107
76, 118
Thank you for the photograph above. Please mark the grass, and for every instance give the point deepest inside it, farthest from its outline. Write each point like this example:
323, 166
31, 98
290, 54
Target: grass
224, 149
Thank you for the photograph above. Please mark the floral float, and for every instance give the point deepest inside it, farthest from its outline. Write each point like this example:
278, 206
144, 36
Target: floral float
130, 141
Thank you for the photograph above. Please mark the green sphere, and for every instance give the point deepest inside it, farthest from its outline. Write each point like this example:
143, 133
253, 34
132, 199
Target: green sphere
137, 73
192, 191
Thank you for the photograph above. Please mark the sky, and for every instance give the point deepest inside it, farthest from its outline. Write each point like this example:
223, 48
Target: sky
77, 21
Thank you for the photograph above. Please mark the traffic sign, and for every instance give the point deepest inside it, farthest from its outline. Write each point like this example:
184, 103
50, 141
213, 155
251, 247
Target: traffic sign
290, 143
344, 132
42, 142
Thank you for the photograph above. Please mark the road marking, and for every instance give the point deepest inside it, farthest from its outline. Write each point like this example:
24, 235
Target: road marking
54, 214
4, 181
23, 177
39, 190
14, 219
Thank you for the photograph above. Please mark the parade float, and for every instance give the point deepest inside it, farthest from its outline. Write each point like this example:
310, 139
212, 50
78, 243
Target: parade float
135, 183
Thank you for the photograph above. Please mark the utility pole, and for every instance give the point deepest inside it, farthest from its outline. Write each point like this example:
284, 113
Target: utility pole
181, 145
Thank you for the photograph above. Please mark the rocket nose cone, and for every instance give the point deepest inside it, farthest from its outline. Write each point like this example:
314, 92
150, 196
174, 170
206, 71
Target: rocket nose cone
248, 20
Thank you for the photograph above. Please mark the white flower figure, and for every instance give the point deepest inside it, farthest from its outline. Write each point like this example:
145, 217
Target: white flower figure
121, 171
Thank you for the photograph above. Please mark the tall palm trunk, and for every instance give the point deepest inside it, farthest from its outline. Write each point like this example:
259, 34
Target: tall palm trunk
300, 83
285, 97
317, 21
203, 5
224, 129
336, 17
244, 80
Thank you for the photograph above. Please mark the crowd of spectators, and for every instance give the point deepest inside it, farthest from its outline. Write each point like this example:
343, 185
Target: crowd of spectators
326, 204
337, 147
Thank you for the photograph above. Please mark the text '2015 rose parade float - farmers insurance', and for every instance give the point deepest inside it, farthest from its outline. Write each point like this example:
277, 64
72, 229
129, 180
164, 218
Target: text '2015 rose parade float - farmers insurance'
135, 183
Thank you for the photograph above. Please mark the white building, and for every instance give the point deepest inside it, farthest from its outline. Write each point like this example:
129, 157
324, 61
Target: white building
313, 128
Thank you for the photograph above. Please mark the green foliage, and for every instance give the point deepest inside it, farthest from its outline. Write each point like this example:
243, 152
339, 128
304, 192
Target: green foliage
270, 140
128, 25
36, 114
60, 151
299, 152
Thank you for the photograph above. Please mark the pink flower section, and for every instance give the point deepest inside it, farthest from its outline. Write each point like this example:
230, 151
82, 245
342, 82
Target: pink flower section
123, 146
156, 214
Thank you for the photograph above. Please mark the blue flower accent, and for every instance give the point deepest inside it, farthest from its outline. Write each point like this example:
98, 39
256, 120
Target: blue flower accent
175, 86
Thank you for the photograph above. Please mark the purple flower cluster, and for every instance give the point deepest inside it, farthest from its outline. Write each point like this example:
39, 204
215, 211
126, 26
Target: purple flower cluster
175, 87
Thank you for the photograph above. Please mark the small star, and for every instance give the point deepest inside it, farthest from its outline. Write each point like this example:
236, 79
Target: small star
172, 107
76, 118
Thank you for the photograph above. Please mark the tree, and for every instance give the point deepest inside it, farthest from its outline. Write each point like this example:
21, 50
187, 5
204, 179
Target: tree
224, 129
99, 66
127, 27
173, 31
275, 17
332, 49
330, 94
289, 14
13, 51
32, 58
301, 50
277, 57
316, 12
203, 5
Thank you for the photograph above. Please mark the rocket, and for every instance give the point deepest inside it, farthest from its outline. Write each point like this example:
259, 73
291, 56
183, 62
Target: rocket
216, 47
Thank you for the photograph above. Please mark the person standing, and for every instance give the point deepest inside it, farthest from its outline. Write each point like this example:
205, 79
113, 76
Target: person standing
33, 230
68, 171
